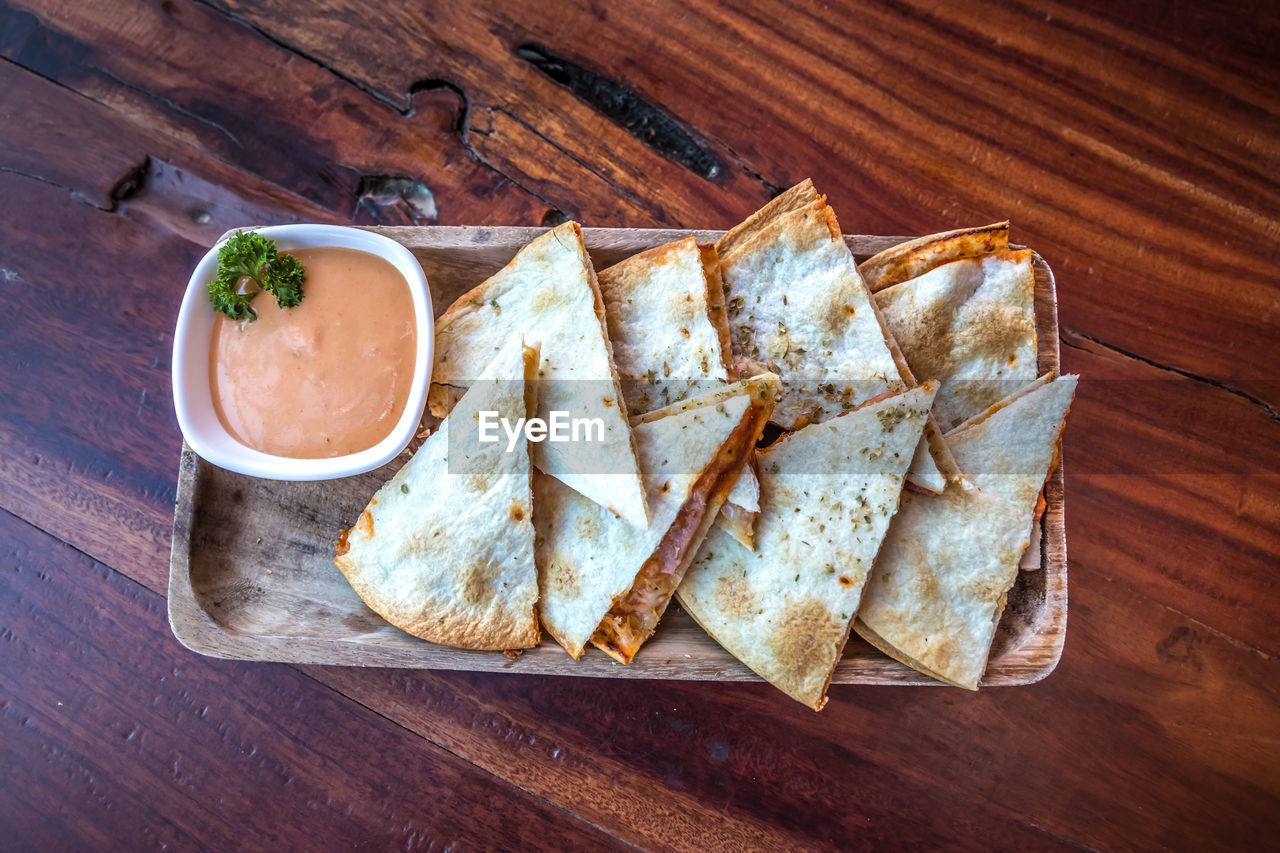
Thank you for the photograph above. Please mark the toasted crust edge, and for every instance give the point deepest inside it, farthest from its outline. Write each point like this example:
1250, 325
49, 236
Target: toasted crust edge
916, 257
795, 198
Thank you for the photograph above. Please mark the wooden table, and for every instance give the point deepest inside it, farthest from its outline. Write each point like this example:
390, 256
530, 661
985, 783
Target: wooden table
1135, 145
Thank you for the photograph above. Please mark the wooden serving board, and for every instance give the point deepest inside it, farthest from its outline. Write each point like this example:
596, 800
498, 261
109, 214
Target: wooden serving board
252, 574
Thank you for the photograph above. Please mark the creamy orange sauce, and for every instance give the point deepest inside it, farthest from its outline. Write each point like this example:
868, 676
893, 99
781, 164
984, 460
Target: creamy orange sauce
327, 377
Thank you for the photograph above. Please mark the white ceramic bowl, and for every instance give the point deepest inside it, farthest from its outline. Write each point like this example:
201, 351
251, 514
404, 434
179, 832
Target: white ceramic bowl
193, 399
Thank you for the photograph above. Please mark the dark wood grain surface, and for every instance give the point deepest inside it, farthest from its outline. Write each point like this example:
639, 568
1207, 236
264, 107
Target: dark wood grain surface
1134, 145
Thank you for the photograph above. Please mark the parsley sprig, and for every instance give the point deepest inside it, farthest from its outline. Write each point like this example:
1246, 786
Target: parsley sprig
250, 255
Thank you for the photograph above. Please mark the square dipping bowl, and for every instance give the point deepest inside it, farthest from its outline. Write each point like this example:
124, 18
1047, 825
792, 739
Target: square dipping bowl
193, 397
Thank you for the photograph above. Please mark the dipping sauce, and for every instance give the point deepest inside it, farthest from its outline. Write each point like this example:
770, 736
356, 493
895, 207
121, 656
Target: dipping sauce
327, 377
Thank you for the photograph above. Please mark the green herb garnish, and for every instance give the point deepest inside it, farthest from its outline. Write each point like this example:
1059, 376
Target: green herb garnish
252, 256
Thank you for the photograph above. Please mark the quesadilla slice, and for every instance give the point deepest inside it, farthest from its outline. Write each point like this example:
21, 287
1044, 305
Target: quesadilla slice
608, 582
670, 336
969, 324
738, 513
827, 493
941, 581
665, 312
549, 293
798, 307
916, 257
444, 550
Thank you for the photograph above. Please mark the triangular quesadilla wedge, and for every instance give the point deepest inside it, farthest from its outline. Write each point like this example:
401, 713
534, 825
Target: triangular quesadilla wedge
670, 336
940, 583
665, 312
916, 257
798, 307
827, 493
738, 513
608, 582
969, 324
444, 550
549, 294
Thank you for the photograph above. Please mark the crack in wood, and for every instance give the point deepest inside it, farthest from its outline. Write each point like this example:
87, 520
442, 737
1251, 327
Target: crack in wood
462, 124
146, 93
128, 186
620, 190
649, 123
1186, 374
1060, 838
463, 128
43, 47
772, 188
435, 84
346, 78
131, 183
405, 109
7, 170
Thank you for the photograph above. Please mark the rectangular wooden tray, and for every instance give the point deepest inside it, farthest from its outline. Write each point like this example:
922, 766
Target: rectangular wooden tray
252, 574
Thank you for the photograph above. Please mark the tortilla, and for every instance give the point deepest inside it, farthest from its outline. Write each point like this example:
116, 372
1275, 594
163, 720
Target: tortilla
940, 584
800, 196
444, 550
549, 294
738, 515
916, 257
608, 582
827, 493
969, 324
670, 336
659, 306
798, 307
933, 466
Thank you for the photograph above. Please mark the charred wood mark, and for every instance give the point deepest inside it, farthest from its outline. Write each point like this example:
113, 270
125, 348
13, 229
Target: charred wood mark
1182, 646
648, 122
396, 200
